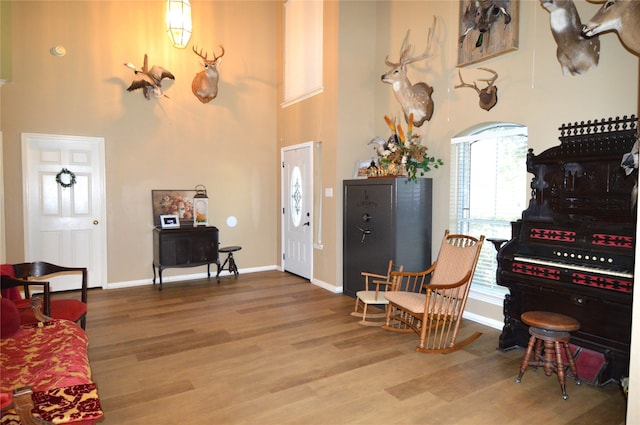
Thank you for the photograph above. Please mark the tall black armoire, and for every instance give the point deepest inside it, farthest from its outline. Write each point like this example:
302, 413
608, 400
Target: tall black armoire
385, 219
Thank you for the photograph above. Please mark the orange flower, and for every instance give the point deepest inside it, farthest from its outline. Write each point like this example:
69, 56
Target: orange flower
390, 123
410, 126
400, 133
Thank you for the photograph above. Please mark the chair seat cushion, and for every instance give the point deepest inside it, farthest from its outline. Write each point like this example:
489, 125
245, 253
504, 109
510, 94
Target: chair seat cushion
68, 404
408, 300
56, 353
72, 310
12, 293
370, 297
9, 318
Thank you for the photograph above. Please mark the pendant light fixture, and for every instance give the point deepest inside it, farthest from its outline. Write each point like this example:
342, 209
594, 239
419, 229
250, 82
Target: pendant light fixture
179, 22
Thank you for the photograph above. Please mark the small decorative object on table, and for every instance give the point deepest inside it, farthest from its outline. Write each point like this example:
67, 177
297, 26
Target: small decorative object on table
169, 221
402, 154
200, 206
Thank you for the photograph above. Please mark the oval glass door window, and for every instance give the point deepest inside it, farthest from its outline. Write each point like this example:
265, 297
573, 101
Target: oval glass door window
296, 196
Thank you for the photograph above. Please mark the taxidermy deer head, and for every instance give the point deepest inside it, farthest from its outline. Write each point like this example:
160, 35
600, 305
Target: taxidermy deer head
481, 14
621, 16
205, 83
488, 95
414, 98
577, 54
151, 79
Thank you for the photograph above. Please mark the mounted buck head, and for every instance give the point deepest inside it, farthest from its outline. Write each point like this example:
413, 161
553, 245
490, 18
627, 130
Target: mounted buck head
621, 16
414, 98
205, 83
575, 53
488, 95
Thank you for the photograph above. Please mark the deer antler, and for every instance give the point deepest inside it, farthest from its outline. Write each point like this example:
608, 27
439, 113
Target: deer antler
489, 81
488, 95
463, 84
204, 58
427, 51
215, 58
406, 48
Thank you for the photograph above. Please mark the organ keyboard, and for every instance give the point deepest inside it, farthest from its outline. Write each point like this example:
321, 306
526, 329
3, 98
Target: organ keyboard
572, 252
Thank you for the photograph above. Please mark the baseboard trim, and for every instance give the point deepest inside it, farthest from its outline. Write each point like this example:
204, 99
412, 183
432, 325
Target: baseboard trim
327, 286
487, 321
192, 276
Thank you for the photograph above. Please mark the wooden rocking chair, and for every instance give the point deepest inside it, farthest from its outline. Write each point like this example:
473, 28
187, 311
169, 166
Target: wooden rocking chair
433, 309
371, 296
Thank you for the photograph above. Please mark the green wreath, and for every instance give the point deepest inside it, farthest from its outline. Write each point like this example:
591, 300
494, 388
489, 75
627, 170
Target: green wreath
71, 180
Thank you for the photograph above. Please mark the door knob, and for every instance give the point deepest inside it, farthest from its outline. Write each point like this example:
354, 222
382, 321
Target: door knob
306, 224
95, 222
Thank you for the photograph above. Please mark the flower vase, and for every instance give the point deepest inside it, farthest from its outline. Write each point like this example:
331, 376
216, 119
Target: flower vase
402, 171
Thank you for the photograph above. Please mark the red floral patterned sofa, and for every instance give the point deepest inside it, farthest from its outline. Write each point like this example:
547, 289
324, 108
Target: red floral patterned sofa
45, 372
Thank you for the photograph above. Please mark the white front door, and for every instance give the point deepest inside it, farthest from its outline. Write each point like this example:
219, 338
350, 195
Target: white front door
64, 204
297, 208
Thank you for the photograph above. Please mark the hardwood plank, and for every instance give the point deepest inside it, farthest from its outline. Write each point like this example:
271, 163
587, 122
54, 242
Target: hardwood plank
270, 348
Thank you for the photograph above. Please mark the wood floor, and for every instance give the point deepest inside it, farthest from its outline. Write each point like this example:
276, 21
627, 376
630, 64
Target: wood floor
271, 348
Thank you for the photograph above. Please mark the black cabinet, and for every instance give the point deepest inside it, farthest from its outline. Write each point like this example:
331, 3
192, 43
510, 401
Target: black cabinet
184, 247
385, 219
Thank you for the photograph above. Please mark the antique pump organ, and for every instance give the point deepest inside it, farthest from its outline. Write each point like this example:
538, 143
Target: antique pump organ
572, 252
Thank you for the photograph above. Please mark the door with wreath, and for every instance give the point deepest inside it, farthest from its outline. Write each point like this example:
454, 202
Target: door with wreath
64, 204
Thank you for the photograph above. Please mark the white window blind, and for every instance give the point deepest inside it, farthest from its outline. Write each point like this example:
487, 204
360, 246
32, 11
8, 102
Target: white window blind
302, 50
489, 190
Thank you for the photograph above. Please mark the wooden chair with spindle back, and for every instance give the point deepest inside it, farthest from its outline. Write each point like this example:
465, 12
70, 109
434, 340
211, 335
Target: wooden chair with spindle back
433, 308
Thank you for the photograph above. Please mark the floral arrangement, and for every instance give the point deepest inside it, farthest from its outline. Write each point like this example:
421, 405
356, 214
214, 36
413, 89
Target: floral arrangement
403, 154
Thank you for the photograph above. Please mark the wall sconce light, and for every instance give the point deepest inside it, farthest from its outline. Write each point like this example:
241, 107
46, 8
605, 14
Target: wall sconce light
179, 22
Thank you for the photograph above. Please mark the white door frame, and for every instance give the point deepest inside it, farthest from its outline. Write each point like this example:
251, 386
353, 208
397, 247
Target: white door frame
101, 232
284, 202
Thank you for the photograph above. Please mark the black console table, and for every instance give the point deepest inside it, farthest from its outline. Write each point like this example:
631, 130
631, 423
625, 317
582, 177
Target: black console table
184, 247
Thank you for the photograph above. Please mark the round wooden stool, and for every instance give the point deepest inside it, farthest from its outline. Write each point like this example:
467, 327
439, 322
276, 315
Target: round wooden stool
233, 268
550, 330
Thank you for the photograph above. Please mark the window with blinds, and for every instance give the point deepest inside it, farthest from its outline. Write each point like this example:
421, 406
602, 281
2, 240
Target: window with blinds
302, 50
489, 178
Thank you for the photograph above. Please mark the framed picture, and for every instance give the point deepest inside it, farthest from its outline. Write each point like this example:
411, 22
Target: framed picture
361, 169
501, 25
173, 202
169, 221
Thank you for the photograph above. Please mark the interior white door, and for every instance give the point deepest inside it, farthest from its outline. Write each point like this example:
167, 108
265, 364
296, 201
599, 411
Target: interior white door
297, 208
64, 204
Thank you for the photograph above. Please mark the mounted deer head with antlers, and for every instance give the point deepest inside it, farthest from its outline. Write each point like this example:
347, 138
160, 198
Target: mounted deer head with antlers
488, 95
205, 83
414, 98
575, 53
621, 16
